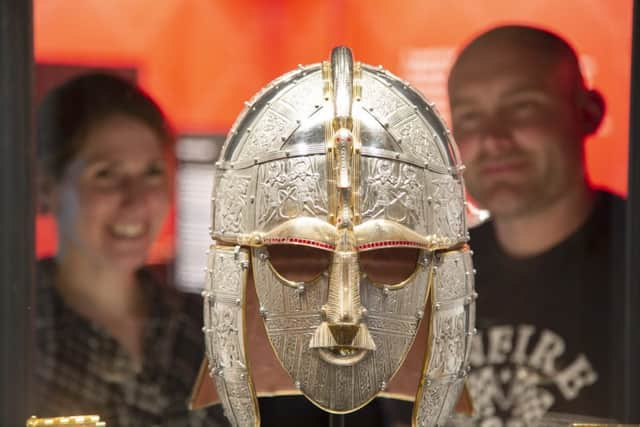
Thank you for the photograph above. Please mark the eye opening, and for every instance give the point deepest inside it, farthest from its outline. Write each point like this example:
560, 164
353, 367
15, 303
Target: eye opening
298, 263
391, 267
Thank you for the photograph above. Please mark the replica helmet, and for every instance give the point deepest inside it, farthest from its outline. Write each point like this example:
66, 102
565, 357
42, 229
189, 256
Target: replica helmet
347, 167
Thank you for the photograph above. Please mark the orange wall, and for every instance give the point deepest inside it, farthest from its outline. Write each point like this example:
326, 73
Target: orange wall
201, 59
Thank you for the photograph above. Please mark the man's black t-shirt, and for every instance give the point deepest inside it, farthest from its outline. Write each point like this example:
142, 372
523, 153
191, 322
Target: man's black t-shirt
545, 330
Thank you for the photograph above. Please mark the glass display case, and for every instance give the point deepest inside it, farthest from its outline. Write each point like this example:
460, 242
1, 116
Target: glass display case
560, 349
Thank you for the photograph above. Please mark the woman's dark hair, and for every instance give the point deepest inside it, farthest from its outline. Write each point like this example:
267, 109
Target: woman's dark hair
71, 110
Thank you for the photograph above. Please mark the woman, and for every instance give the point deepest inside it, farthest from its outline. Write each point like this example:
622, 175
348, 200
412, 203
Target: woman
113, 338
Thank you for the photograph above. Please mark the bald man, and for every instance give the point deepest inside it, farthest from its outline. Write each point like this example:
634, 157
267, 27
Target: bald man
548, 261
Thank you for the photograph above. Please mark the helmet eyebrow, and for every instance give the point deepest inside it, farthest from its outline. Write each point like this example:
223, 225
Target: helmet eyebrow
382, 233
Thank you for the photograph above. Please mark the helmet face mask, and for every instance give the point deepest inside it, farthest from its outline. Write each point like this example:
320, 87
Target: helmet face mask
345, 171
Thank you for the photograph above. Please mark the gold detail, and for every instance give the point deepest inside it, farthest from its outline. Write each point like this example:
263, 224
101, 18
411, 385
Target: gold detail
357, 76
380, 230
308, 228
331, 181
254, 240
304, 228
355, 173
76, 420
326, 80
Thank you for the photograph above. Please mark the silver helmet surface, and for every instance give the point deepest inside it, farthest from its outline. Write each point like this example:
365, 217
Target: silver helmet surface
342, 162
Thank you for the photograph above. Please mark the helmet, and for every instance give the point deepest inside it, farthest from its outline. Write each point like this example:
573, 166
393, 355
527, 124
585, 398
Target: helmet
342, 162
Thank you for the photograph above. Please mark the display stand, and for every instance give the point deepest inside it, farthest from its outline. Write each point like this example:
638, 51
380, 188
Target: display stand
336, 420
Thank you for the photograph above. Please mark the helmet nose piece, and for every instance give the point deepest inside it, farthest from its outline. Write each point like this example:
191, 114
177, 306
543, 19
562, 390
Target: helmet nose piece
341, 336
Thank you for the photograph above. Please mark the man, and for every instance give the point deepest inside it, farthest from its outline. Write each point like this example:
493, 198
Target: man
547, 262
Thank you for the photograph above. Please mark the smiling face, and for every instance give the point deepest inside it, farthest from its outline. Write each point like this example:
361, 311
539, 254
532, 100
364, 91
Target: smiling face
114, 195
519, 127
